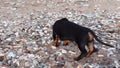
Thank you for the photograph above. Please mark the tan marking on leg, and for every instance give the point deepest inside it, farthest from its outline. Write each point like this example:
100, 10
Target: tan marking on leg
91, 37
91, 48
56, 41
66, 42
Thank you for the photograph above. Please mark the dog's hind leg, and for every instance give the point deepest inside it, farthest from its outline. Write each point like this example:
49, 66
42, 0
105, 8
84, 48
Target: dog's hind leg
90, 47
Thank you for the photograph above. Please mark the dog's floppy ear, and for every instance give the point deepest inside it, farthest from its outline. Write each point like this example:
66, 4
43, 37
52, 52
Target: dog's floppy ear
64, 19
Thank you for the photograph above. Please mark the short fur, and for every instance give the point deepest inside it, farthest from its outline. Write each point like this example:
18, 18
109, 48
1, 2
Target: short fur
64, 29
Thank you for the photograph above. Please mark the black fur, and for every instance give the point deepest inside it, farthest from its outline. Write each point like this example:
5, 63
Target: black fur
67, 30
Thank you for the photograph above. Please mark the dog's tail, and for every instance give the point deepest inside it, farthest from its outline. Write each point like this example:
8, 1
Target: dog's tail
96, 38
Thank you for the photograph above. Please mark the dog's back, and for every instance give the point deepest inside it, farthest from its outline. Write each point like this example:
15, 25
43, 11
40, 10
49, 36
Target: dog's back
68, 30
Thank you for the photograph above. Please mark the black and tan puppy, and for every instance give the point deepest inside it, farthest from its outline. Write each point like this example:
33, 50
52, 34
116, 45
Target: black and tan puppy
64, 29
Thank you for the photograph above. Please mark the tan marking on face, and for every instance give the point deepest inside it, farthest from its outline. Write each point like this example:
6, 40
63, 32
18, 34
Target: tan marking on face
66, 42
91, 48
91, 37
56, 41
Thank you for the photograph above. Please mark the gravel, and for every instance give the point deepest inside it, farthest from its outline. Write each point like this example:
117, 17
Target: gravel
26, 33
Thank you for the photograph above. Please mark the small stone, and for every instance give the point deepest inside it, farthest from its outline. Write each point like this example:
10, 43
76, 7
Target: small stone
53, 47
2, 57
9, 39
79, 66
1, 62
61, 63
71, 52
27, 64
17, 34
10, 55
3, 66
41, 53
63, 51
31, 55
87, 66
100, 55
59, 53
38, 1
42, 65
1, 40
68, 65
16, 47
